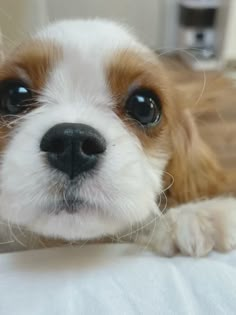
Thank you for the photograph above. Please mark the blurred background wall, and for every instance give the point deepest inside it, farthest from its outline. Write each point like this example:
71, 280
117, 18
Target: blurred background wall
146, 17
18, 18
229, 47
154, 21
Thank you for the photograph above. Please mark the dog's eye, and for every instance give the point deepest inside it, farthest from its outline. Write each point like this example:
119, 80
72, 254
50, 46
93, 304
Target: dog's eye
14, 97
144, 106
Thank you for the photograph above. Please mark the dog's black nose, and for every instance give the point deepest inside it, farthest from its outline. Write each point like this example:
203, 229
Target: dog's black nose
73, 148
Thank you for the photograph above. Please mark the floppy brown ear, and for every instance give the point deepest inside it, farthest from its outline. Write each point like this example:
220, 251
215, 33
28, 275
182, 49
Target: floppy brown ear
193, 165
1, 48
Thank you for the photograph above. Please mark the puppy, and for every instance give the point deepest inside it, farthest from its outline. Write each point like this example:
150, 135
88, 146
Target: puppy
93, 134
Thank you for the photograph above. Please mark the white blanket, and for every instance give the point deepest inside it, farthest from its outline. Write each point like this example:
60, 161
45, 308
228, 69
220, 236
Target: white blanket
115, 279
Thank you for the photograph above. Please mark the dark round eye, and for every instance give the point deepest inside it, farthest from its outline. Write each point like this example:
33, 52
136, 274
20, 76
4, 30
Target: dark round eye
144, 106
14, 97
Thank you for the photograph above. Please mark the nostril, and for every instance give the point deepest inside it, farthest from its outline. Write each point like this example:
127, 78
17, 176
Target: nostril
57, 146
93, 146
54, 145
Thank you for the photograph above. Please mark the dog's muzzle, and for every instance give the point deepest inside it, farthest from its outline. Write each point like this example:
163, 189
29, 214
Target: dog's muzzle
73, 148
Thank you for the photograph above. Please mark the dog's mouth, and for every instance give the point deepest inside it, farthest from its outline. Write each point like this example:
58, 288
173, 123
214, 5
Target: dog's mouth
70, 206
67, 199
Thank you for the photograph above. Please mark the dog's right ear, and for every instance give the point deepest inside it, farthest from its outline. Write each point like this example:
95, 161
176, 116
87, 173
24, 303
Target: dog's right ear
1, 48
194, 167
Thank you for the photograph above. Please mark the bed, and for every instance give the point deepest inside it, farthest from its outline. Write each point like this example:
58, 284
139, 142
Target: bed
115, 279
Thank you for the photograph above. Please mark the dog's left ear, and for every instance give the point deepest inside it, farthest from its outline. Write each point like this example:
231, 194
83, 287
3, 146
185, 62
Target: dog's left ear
194, 167
1, 48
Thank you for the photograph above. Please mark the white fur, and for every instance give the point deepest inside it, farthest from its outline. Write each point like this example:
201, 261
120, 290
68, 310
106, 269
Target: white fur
124, 190
195, 228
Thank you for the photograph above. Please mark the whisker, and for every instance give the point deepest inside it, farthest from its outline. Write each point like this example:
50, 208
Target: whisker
14, 236
184, 50
172, 181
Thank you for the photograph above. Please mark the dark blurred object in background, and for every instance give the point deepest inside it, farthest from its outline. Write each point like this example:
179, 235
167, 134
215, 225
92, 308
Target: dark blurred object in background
198, 32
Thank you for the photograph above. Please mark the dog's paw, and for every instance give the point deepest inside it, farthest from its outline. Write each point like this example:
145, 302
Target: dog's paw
194, 234
183, 231
197, 228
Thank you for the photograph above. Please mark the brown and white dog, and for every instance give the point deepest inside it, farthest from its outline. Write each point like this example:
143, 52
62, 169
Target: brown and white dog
92, 131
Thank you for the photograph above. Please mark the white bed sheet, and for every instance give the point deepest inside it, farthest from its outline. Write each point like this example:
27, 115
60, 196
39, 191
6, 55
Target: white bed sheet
115, 279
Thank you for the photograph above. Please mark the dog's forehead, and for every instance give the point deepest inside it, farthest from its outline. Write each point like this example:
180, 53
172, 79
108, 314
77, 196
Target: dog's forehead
92, 38
88, 47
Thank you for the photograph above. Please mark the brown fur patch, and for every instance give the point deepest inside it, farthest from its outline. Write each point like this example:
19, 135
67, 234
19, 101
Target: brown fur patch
129, 70
193, 166
35, 58
31, 63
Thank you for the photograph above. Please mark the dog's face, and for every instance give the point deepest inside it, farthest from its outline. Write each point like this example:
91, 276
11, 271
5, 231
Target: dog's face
85, 112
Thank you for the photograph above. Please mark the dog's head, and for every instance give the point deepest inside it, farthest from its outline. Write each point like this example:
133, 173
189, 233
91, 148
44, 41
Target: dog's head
89, 123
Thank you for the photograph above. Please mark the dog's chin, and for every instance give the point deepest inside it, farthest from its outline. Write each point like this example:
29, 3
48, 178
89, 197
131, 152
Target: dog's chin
70, 207
78, 211
77, 222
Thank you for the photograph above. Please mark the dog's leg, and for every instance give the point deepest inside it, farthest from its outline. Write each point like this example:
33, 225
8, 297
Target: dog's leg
195, 228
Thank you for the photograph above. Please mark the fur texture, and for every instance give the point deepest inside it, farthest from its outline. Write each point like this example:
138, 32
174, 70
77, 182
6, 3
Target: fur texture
82, 71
